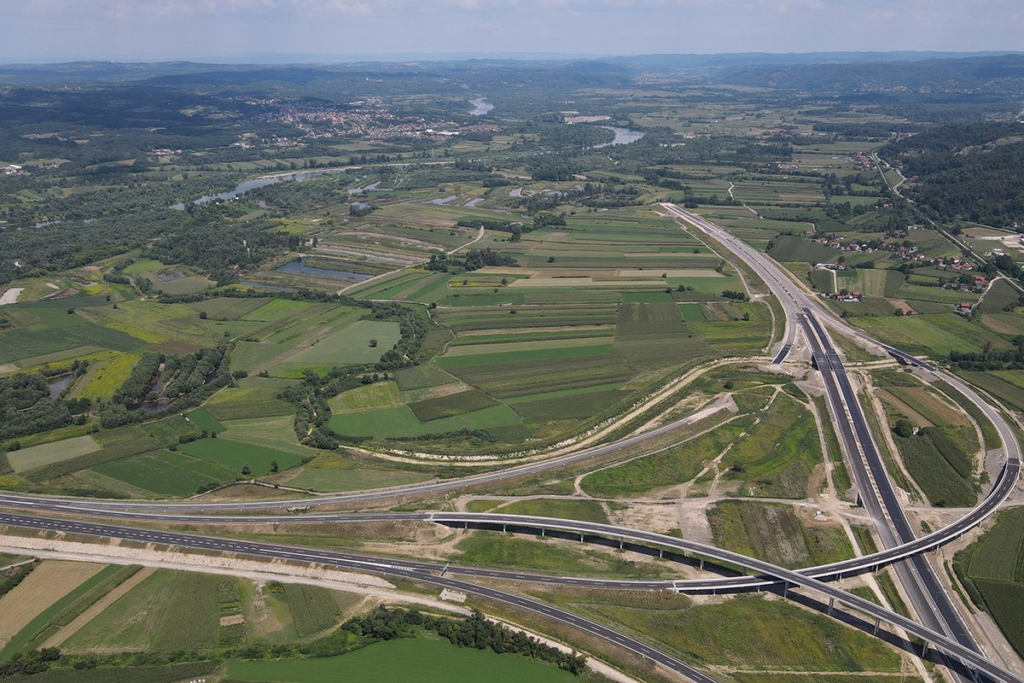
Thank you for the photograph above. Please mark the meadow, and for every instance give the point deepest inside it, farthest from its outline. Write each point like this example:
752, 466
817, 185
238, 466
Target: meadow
395, 661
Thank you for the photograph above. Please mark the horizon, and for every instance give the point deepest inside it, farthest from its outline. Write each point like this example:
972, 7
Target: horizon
277, 59
229, 31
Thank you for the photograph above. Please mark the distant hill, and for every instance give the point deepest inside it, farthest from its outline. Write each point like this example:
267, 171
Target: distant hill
988, 74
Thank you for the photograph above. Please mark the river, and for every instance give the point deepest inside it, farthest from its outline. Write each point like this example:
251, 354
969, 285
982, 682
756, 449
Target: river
623, 136
480, 106
254, 184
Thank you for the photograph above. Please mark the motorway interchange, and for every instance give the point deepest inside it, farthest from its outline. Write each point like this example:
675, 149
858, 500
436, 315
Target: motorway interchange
940, 624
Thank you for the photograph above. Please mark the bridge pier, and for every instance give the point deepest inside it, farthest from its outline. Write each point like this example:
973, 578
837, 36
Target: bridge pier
620, 544
581, 538
785, 590
661, 553
878, 623
831, 605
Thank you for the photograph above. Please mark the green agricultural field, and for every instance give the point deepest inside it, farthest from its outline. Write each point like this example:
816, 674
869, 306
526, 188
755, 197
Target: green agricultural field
167, 474
992, 572
1000, 296
235, 455
313, 608
775, 533
402, 421
940, 466
692, 312
204, 421
168, 611
335, 480
350, 345
509, 380
54, 330
275, 309
106, 375
422, 377
920, 334
253, 397
399, 661
370, 397
451, 405
592, 347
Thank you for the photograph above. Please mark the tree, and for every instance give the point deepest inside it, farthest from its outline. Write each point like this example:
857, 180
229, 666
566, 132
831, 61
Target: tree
202, 315
904, 428
373, 343
246, 470
274, 466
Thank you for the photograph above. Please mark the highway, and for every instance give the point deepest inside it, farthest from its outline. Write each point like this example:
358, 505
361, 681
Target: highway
928, 596
974, 661
387, 567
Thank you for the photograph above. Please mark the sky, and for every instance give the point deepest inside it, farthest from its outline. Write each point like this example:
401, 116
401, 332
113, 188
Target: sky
318, 30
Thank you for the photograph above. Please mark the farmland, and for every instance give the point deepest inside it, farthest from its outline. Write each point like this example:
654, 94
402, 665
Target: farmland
396, 661
991, 570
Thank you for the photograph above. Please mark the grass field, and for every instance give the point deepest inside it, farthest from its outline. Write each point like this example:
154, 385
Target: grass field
775, 533
399, 661
487, 549
778, 455
585, 510
670, 467
745, 631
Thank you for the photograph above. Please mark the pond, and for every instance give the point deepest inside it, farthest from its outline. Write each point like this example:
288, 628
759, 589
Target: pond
59, 384
299, 267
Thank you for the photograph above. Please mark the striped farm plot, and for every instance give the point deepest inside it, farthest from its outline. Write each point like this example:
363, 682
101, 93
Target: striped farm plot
48, 583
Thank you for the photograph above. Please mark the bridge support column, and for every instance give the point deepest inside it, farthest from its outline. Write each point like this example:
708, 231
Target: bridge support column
581, 538
831, 605
661, 553
620, 544
785, 590
504, 528
543, 531
878, 623
702, 563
